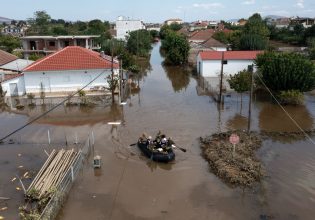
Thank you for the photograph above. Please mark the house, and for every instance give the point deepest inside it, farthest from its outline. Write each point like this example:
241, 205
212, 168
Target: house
209, 45
62, 72
199, 25
173, 21
5, 58
201, 36
14, 30
49, 44
125, 25
209, 62
13, 69
306, 22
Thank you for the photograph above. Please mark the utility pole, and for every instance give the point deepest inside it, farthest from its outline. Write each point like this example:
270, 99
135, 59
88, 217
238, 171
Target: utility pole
112, 78
221, 78
250, 99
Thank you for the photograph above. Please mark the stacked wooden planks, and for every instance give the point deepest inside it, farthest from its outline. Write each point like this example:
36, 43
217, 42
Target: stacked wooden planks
54, 170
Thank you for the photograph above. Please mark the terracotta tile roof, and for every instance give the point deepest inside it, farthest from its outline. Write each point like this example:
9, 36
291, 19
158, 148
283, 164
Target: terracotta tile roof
10, 76
71, 58
229, 55
211, 42
6, 57
202, 35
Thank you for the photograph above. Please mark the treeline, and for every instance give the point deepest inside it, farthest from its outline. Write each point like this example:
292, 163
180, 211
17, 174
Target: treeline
255, 35
137, 44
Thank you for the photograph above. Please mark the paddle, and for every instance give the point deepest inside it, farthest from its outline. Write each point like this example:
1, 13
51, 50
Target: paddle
182, 149
133, 144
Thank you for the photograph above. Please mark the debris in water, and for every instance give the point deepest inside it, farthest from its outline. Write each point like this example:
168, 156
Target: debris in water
18, 188
25, 174
13, 179
3, 208
20, 166
239, 168
19, 155
114, 123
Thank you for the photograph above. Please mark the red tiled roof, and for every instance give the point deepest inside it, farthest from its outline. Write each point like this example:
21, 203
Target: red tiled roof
71, 58
229, 55
10, 76
211, 42
202, 35
6, 57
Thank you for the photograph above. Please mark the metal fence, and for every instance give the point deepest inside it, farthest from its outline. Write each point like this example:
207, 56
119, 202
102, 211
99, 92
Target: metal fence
52, 208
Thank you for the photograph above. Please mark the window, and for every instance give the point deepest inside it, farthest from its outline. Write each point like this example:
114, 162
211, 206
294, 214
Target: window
52, 43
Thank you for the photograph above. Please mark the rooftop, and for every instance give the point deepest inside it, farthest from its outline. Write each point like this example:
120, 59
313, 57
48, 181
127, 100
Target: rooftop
62, 37
16, 65
6, 57
229, 55
202, 35
72, 58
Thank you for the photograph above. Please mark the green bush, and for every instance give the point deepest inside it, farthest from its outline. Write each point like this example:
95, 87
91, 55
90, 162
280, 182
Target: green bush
291, 97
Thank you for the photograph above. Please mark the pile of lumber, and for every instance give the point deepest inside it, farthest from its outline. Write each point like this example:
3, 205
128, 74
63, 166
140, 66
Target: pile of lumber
53, 172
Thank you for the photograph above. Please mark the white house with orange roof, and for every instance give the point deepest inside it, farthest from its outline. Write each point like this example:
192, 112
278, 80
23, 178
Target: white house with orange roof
209, 62
65, 71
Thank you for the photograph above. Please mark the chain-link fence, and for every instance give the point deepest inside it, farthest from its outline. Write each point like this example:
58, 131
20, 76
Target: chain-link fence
52, 208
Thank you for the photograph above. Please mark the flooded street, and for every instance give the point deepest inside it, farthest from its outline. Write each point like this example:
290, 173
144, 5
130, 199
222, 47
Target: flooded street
130, 186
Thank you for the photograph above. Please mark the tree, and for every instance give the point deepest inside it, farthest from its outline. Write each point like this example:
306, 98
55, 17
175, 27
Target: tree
253, 42
240, 82
9, 43
39, 23
256, 25
96, 26
286, 72
176, 49
255, 34
139, 43
175, 26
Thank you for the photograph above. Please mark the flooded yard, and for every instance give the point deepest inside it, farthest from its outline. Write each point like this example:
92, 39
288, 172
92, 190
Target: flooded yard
131, 186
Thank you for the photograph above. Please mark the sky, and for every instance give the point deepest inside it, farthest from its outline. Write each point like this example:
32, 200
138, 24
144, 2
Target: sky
155, 11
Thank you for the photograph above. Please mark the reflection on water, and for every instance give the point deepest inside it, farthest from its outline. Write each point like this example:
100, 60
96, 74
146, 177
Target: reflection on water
273, 118
238, 122
180, 77
74, 115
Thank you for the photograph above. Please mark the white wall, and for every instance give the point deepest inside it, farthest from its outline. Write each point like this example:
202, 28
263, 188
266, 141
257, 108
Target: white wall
20, 85
64, 81
123, 27
219, 48
212, 68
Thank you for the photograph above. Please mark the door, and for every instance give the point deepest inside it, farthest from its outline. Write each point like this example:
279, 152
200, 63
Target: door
14, 89
45, 84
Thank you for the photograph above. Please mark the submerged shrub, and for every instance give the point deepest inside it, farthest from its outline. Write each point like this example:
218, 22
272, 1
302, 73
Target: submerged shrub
291, 97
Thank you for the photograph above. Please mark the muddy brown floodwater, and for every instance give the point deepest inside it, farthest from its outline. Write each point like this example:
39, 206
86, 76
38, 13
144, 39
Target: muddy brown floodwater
130, 186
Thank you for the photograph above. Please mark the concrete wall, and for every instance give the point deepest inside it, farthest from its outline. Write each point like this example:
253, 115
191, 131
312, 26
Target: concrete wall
123, 27
212, 68
19, 81
64, 81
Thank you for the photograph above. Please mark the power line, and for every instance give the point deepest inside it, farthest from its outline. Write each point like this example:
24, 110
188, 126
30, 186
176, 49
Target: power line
292, 119
53, 108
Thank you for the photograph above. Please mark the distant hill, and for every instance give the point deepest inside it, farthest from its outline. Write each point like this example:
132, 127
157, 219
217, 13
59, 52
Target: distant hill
273, 17
5, 20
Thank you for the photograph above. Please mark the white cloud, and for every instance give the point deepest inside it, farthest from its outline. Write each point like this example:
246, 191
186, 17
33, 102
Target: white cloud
248, 2
208, 5
300, 3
